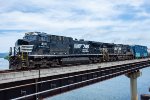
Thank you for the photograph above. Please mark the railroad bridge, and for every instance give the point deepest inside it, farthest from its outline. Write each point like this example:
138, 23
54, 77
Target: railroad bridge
42, 83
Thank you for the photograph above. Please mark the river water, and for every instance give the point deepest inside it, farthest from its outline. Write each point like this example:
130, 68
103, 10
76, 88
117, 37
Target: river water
3, 64
114, 89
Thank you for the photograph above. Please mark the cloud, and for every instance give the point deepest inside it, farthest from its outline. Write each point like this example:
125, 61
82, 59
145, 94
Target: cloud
119, 21
8, 40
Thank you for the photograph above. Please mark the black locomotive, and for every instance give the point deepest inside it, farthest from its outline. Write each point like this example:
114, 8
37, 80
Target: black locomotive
40, 50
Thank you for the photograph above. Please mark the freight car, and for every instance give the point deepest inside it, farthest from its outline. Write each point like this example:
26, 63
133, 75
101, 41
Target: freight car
140, 51
40, 50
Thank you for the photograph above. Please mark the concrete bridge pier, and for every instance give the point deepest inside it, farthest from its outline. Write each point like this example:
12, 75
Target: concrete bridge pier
133, 84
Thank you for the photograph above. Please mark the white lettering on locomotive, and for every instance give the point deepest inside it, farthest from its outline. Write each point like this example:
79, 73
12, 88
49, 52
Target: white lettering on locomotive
81, 45
84, 47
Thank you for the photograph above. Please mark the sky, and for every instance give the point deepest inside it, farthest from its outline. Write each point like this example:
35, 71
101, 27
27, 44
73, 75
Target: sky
112, 21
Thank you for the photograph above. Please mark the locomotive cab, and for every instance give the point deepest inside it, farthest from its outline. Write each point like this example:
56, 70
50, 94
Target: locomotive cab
22, 46
19, 54
21, 42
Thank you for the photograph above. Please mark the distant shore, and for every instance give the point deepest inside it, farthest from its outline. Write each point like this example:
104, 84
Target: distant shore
4, 55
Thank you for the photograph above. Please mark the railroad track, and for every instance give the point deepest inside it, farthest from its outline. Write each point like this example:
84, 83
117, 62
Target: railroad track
6, 71
57, 66
66, 65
